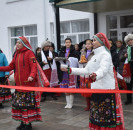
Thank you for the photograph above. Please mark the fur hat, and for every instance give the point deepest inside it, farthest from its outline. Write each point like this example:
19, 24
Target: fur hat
46, 43
128, 37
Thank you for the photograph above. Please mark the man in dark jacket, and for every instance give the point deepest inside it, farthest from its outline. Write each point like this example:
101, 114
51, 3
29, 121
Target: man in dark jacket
120, 50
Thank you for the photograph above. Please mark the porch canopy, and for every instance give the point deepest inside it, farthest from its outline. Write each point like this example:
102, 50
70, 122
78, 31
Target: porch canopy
95, 6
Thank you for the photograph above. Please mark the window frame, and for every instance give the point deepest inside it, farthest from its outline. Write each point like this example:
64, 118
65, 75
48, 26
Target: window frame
75, 33
15, 37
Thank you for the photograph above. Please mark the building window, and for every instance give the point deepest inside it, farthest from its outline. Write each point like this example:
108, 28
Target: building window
82, 37
112, 22
112, 27
126, 21
65, 27
73, 38
77, 30
113, 35
80, 26
30, 32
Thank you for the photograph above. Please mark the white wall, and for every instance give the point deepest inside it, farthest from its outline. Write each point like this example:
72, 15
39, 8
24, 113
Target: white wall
18, 14
28, 12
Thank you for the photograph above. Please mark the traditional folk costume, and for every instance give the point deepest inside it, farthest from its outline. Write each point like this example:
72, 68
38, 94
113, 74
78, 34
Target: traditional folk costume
69, 81
49, 69
128, 68
26, 104
105, 109
5, 94
84, 79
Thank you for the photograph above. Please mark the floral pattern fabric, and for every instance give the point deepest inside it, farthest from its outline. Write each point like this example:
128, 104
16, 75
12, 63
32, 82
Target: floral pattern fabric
26, 107
5, 93
103, 110
24, 100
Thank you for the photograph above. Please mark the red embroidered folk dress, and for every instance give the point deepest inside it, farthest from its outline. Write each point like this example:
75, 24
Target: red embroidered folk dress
26, 104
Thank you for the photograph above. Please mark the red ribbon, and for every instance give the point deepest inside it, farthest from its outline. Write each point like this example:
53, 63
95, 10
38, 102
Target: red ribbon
66, 90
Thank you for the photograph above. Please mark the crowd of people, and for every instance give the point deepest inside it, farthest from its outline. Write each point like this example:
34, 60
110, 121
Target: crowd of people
95, 65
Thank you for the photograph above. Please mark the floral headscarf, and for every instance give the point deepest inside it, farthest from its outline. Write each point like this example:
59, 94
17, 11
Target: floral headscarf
101, 37
25, 42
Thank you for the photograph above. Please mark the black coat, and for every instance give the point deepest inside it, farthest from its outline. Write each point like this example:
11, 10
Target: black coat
39, 59
115, 56
122, 59
72, 53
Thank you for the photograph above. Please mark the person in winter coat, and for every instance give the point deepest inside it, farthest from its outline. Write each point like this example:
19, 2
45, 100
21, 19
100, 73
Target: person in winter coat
25, 104
114, 54
68, 81
120, 50
105, 109
37, 51
45, 59
5, 94
129, 41
76, 46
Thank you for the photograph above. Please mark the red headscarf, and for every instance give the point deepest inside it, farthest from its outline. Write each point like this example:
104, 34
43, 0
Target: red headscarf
102, 37
25, 42
42, 81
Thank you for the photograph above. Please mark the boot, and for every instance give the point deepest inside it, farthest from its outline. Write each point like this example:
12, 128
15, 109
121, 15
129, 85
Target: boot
67, 101
53, 96
88, 104
21, 126
1, 106
27, 127
71, 99
43, 99
128, 102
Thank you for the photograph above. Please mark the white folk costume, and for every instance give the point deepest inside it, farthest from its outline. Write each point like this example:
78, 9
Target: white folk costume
53, 75
105, 109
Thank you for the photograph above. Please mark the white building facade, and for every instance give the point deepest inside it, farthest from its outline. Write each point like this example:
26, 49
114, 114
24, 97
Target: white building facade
117, 24
35, 19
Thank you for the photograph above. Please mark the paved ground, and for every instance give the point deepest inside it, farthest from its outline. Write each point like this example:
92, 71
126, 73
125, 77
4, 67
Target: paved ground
55, 117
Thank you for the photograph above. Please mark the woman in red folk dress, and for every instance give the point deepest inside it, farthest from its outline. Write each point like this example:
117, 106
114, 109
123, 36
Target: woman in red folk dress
26, 104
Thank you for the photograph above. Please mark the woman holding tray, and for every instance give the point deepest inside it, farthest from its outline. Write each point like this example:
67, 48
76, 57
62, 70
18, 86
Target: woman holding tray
105, 109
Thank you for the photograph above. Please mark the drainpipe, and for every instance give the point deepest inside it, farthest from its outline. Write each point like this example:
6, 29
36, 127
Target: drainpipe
57, 16
95, 23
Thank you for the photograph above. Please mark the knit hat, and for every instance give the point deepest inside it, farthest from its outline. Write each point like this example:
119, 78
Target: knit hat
25, 42
101, 38
46, 43
128, 37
